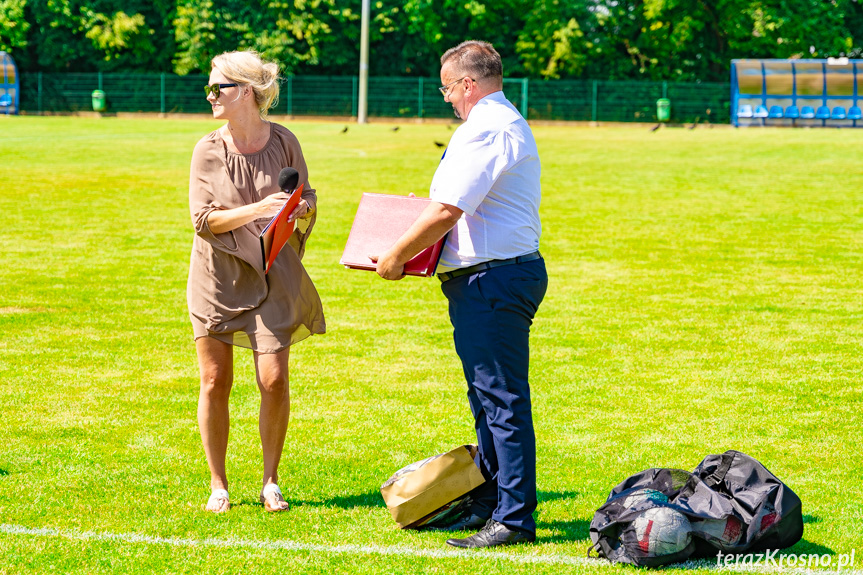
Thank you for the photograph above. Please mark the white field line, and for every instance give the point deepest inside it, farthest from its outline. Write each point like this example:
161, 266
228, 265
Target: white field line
552, 559
293, 546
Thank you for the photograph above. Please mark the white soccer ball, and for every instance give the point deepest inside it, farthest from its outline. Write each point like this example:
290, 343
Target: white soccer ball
723, 532
662, 531
641, 495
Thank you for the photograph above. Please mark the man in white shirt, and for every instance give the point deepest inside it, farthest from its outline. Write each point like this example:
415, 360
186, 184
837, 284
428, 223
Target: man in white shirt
486, 194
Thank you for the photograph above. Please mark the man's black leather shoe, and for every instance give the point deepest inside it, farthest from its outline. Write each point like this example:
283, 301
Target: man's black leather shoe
492, 535
466, 522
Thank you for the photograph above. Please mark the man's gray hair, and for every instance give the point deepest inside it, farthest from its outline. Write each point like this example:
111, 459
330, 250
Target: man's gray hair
476, 59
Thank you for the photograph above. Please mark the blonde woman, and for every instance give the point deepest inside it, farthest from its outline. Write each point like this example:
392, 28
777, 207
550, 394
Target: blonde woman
233, 193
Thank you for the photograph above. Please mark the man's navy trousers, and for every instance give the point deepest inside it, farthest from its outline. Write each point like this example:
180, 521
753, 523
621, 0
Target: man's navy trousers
491, 313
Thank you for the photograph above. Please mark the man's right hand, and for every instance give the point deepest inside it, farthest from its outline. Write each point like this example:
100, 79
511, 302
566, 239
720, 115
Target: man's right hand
388, 268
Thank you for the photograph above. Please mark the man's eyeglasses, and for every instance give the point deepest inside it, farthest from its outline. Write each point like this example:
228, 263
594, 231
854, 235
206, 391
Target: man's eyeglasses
445, 89
215, 89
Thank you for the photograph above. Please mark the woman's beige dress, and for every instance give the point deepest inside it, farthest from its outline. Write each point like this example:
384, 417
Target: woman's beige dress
229, 296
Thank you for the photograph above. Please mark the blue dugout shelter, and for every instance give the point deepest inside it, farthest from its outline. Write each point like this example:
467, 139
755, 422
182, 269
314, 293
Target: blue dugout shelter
813, 93
9, 90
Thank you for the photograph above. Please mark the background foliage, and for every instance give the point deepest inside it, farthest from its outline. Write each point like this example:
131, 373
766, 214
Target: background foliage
601, 39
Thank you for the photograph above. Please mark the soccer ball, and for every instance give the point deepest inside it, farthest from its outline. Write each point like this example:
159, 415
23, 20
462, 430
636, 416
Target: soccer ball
641, 495
662, 531
723, 532
767, 518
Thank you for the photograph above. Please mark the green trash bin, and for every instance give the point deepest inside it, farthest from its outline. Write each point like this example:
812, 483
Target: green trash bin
663, 109
99, 101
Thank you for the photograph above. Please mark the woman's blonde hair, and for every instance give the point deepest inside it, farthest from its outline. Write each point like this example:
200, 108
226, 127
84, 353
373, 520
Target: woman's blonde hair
246, 68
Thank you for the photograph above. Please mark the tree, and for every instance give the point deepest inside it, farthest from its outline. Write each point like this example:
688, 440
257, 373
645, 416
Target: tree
696, 40
118, 34
13, 26
552, 43
195, 35
292, 33
687, 40
85, 36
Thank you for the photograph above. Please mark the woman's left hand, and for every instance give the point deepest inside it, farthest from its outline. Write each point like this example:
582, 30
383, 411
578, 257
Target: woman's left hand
300, 211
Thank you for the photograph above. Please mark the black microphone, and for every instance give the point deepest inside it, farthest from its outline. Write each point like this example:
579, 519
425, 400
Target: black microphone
288, 179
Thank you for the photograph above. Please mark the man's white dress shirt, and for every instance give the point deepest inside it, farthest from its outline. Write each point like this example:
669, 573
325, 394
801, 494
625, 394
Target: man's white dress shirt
490, 170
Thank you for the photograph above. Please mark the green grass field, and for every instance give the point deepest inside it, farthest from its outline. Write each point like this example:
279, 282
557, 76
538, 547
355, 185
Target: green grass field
704, 295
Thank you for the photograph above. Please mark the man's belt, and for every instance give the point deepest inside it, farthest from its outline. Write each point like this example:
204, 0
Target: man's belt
446, 276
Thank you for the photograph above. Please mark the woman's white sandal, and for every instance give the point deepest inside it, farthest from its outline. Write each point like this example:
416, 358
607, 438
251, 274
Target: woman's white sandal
218, 501
272, 490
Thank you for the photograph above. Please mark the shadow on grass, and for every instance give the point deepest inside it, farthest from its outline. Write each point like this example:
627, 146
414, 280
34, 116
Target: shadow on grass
555, 495
370, 499
804, 547
565, 531
3, 471
562, 531
809, 548
374, 499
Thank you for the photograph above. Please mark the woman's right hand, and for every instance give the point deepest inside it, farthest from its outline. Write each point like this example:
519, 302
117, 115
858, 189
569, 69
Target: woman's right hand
222, 221
270, 206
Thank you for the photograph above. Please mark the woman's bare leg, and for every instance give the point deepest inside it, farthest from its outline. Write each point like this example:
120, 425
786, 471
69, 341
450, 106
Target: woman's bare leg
216, 365
272, 370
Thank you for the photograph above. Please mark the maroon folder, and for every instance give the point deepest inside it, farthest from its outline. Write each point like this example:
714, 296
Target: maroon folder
380, 221
276, 234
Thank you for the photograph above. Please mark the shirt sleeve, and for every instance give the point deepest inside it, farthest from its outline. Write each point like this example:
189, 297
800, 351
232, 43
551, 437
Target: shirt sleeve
203, 179
468, 170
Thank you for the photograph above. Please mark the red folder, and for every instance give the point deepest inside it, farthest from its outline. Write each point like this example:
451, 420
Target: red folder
380, 221
277, 232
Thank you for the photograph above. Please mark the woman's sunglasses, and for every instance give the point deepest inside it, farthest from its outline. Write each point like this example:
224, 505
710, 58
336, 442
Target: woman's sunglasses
216, 89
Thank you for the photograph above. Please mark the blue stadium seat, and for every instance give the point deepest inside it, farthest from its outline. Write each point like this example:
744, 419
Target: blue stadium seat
760, 112
854, 113
822, 113
5, 100
775, 112
792, 112
807, 112
745, 111
838, 113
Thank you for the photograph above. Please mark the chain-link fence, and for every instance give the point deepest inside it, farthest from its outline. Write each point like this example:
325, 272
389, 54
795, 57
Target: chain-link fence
570, 100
